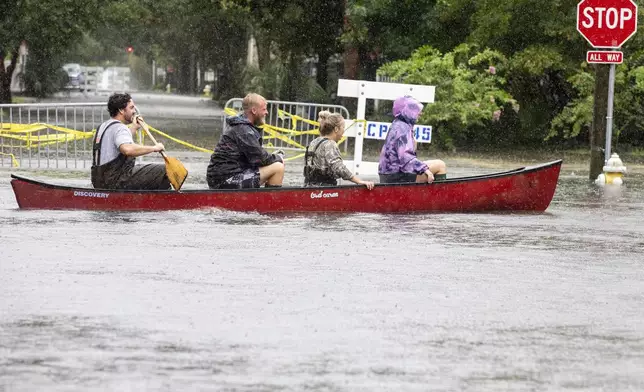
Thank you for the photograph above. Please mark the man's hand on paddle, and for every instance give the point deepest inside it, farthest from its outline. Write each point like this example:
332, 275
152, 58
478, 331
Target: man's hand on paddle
158, 147
135, 125
138, 120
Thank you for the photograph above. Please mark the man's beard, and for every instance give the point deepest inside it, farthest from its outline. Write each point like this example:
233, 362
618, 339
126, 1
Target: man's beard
259, 121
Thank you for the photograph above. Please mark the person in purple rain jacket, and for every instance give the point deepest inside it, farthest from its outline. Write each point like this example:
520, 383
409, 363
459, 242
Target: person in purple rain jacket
398, 161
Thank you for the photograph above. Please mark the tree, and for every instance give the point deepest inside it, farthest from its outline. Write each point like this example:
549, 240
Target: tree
8, 12
293, 30
386, 30
50, 28
469, 89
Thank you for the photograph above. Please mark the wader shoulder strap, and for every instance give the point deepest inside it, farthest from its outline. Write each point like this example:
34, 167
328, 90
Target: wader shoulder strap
96, 146
311, 154
307, 154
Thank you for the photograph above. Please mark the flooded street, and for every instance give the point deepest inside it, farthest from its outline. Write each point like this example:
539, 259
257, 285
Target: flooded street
222, 301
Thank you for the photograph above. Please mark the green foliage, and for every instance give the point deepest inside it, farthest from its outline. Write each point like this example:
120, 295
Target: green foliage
536, 60
272, 84
576, 118
89, 51
533, 46
268, 82
50, 28
538, 80
396, 28
469, 90
512, 26
637, 74
629, 104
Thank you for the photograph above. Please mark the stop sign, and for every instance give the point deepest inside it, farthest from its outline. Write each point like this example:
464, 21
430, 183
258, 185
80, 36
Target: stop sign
607, 23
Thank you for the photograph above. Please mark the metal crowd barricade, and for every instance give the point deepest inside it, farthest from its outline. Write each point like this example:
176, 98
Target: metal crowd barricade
48, 147
308, 111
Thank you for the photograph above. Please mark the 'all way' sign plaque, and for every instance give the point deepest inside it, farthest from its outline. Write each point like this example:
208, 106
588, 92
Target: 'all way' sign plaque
602, 57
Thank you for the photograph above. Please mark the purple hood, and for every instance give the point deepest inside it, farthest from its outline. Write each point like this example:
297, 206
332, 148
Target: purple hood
407, 109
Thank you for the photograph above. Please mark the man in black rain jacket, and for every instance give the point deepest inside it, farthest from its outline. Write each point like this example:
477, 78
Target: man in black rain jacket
239, 160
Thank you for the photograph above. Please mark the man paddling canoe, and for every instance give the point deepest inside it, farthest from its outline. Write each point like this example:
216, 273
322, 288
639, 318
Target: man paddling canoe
114, 151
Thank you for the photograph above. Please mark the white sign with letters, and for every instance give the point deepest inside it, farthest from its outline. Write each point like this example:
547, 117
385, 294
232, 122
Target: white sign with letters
363, 90
378, 130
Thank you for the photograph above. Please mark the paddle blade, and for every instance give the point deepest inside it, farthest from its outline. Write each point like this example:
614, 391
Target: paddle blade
176, 172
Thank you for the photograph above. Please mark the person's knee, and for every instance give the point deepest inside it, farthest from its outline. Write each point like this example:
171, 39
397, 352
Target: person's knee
278, 167
441, 166
436, 166
274, 169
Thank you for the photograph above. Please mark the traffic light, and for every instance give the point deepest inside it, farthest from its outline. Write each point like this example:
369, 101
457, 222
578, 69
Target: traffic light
129, 49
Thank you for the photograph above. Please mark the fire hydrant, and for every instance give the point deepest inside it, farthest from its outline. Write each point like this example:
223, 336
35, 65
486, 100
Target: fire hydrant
207, 91
613, 172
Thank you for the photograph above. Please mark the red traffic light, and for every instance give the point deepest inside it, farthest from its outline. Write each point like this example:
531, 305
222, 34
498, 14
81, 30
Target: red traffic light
129, 49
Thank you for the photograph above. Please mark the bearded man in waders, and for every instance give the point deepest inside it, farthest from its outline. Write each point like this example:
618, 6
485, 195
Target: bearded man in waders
114, 152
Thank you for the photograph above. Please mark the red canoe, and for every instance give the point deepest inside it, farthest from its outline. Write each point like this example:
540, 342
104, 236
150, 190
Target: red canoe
524, 189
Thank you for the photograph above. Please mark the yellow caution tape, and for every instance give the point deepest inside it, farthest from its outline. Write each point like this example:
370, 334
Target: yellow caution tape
28, 133
174, 139
14, 161
295, 157
24, 133
295, 117
30, 128
230, 111
273, 131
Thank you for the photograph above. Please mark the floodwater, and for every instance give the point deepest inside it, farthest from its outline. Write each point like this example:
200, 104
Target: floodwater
214, 300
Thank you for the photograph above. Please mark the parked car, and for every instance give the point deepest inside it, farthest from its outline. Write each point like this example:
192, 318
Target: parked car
75, 75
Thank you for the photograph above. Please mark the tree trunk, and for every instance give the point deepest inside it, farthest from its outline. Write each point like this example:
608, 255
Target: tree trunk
351, 60
6, 74
598, 129
5, 85
263, 50
351, 63
322, 76
193, 74
226, 77
183, 73
292, 78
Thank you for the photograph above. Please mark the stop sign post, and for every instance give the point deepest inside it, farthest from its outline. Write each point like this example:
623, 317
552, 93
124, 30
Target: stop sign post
607, 24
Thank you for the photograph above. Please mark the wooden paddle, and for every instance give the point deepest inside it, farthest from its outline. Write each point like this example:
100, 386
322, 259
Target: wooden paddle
174, 169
